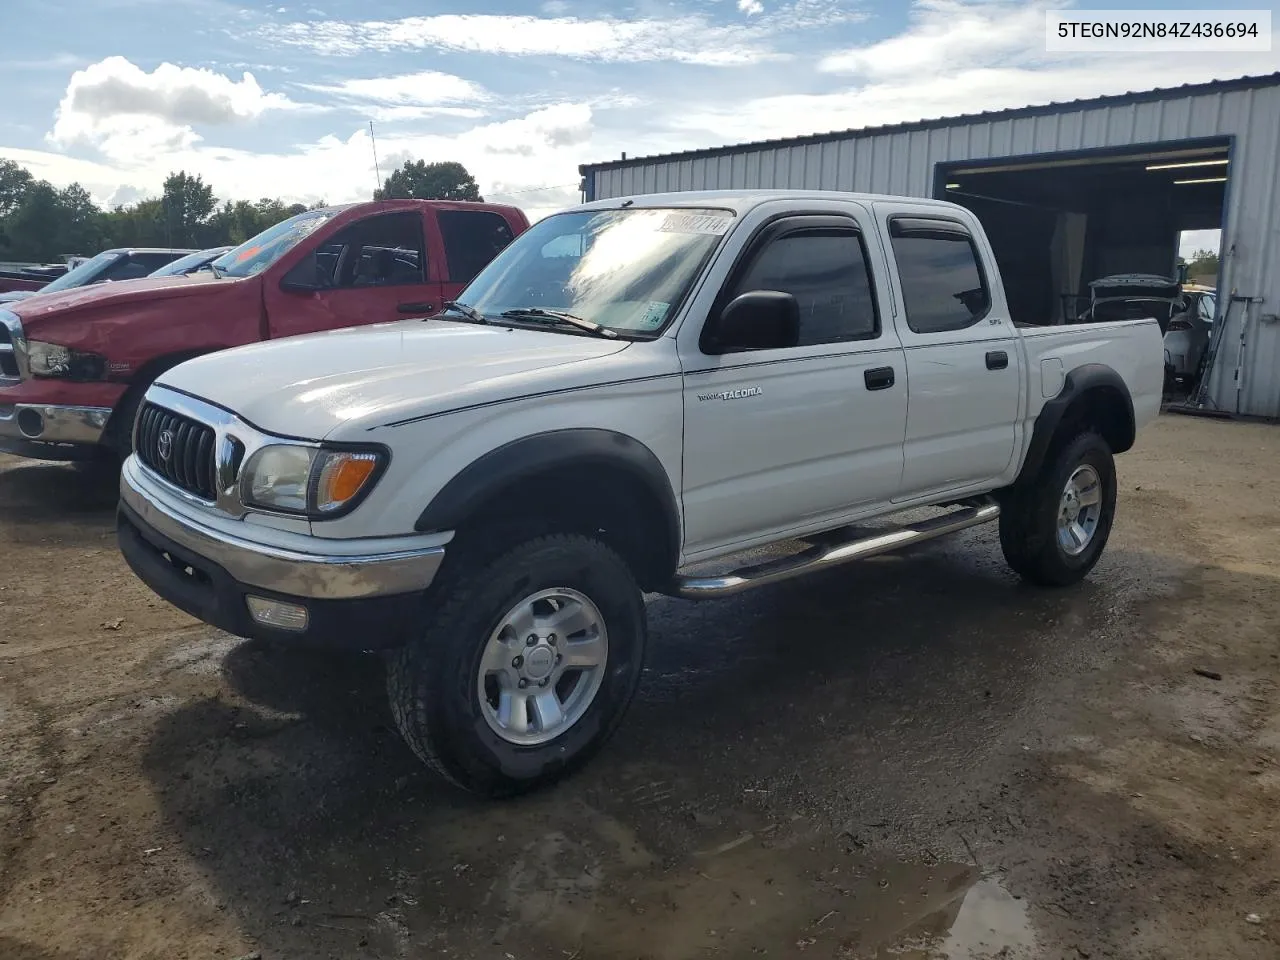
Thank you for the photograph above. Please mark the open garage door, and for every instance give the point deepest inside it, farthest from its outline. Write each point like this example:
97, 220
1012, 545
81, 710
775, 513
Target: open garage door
1058, 222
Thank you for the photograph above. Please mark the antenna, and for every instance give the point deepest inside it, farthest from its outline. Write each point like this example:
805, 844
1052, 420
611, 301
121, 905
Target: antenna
376, 172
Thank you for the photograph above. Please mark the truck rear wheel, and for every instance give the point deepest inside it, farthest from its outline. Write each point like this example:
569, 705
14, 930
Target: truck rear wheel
1054, 530
526, 665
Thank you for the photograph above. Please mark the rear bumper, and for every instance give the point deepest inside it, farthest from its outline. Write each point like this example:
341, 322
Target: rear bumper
52, 431
358, 601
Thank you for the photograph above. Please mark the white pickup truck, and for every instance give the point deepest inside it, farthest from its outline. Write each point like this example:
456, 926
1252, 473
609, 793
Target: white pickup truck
633, 387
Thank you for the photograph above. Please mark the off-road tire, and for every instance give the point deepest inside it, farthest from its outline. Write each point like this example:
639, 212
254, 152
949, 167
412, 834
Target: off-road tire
1029, 514
432, 682
120, 428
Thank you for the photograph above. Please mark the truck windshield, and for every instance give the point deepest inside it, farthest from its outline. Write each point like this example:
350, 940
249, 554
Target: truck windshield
257, 253
84, 274
626, 270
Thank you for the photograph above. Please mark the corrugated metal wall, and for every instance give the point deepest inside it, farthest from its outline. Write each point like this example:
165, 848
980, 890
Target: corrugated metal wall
904, 162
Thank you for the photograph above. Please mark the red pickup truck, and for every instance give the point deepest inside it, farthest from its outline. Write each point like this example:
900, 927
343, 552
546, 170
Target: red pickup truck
74, 364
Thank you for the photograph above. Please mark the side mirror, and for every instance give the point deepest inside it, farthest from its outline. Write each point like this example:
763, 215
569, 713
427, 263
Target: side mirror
758, 320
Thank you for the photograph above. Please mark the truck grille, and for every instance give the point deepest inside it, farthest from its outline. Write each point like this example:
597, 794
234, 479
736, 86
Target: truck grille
8, 362
179, 449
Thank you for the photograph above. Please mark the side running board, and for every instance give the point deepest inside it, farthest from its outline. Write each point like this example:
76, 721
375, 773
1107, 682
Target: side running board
821, 557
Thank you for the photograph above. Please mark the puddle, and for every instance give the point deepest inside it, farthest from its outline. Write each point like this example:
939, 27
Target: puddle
594, 891
991, 923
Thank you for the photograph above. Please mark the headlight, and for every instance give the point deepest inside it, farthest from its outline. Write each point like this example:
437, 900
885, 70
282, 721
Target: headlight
312, 481
55, 360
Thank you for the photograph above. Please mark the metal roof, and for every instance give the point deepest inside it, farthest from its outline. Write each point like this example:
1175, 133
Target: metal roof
1143, 96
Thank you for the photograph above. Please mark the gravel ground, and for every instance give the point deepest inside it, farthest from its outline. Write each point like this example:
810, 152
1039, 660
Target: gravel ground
915, 757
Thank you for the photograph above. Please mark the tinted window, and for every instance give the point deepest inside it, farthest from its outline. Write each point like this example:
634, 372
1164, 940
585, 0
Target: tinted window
89, 271
942, 284
381, 251
471, 239
826, 271
129, 268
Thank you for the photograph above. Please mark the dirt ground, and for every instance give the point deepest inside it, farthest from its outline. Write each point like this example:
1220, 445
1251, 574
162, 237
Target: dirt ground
916, 757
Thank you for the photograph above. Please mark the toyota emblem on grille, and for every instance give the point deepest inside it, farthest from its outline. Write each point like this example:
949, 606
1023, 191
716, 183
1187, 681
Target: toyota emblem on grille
164, 445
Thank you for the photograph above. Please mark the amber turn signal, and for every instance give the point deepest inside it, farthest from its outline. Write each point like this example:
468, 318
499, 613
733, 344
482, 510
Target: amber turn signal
341, 478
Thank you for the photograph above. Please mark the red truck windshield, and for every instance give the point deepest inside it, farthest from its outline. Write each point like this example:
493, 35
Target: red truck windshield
257, 253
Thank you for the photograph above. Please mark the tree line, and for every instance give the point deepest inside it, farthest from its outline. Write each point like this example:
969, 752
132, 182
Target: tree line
41, 223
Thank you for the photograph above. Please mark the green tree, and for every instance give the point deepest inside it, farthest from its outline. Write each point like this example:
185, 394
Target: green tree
448, 180
14, 181
188, 203
80, 222
141, 224
34, 224
40, 222
1203, 263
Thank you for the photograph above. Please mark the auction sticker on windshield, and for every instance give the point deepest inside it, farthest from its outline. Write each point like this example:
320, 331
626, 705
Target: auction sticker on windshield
711, 224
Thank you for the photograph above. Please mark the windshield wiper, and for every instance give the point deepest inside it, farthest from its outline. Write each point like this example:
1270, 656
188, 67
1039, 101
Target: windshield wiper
216, 272
537, 313
468, 311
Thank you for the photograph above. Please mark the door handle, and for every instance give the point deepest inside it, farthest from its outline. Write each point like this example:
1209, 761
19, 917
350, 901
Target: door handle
415, 307
878, 378
997, 360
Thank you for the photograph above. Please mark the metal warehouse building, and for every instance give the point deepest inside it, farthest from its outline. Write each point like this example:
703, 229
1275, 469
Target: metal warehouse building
1068, 192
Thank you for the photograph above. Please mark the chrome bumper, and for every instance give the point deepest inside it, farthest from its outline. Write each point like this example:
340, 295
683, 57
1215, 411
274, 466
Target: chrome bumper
355, 569
50, 423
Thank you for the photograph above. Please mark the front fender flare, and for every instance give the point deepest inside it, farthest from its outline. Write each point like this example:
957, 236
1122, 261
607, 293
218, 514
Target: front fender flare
509, 464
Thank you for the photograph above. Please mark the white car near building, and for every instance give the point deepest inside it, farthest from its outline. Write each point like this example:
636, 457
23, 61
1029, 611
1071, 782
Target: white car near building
1189, 332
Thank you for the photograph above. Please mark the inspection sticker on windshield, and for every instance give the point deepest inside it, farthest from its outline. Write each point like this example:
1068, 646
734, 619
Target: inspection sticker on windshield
711, 224
655, 312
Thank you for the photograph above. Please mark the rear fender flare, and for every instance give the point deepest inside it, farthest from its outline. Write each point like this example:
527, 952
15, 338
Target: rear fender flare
1085, 380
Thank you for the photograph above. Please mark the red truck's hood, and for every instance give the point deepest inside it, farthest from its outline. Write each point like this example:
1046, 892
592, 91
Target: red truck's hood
43, 308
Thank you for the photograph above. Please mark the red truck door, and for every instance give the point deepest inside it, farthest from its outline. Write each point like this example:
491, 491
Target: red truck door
374, 270
470, 238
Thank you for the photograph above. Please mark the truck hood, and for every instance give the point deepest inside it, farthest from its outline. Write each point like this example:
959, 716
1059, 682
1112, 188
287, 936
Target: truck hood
369, 376
42, 308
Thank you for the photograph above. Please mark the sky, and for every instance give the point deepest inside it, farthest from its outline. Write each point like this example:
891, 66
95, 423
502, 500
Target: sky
275, 100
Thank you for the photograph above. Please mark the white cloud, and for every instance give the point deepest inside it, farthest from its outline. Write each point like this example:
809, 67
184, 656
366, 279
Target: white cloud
954, 58
529, 160
415, 96
428, 87
686, 38
751, 7
555, 8
124, 111
950, 34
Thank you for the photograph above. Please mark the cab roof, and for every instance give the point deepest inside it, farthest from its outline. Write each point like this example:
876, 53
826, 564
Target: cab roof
741, 201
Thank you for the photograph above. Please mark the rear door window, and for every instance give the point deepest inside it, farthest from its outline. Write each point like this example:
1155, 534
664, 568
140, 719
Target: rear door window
471, 239
943, 287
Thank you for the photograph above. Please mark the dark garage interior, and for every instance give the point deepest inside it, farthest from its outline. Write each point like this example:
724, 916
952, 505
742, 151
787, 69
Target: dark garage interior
1057, 224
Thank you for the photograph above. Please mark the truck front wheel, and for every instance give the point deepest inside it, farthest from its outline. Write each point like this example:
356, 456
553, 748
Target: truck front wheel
1054, 529
525, 666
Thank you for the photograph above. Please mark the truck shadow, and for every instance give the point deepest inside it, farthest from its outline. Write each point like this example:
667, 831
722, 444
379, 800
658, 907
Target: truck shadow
869, 695
34, 492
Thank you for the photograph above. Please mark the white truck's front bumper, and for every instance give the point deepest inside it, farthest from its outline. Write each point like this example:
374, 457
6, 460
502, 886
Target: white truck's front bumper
361, 593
